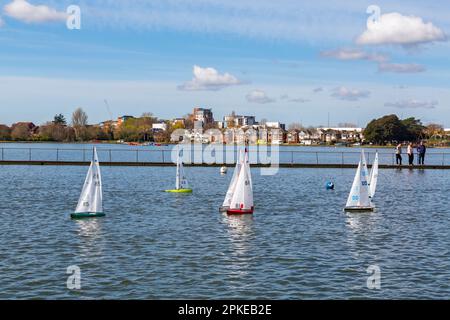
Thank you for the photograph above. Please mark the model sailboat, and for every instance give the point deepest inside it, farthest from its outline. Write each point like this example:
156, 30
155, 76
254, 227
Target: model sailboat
90, 203
373, 178
358, 199
181, 183
227, 202
242, 198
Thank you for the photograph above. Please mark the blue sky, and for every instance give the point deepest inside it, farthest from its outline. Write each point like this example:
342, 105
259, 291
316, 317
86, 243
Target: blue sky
289, 61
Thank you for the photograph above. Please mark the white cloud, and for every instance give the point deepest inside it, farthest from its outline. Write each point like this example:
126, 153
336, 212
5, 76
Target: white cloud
381, 59
348, 94
412, 104
353, 54
258, 96
395, 28
26, 12
401, 67
209, 79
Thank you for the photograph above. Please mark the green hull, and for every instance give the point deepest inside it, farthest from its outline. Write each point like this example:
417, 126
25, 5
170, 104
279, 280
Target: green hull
359, 209
86, 215
180, 191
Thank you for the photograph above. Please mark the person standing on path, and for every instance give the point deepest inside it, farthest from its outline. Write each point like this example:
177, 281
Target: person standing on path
421, 149
398, 154
410, 154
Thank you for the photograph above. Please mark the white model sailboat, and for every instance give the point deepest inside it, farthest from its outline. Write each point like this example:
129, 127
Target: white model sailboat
373, 178
90, 203
358, 199
181, 183
227, 202
242, 199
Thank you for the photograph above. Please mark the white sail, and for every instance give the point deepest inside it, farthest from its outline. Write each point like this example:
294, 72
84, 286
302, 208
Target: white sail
181, 180
243, 194
91, 196
247, 163
234, 178
373, 177
359, 194
364, 164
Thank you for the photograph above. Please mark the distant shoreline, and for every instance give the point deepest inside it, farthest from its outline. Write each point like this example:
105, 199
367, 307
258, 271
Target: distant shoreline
167, 144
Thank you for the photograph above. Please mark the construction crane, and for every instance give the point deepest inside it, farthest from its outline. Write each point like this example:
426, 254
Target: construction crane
108, 109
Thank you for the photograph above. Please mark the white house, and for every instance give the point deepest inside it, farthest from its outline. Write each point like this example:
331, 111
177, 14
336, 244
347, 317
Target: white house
159, 126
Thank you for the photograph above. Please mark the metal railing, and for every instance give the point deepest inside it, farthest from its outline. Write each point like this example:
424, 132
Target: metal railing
338, 157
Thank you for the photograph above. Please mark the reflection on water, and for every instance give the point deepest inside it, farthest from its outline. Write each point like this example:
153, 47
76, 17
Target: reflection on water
361, 227
361, 222
89, 241
89, 229
239, 233
240, 226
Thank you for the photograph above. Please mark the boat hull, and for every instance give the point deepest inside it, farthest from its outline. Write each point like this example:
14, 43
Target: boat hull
224, 209
239, 211
180, 191
359, 209
86, 215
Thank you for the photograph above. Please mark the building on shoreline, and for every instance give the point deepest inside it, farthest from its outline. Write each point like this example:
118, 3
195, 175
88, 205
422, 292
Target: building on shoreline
203, 116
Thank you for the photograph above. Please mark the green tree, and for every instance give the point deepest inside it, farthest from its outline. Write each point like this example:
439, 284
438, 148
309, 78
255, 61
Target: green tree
97, 133
136, 129
60, 119
385, 129
414, 130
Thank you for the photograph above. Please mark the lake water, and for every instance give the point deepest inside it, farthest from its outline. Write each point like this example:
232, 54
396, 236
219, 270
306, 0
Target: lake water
153, 245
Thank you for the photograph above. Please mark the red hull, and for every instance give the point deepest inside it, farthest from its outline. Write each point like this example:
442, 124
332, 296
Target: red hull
239, 211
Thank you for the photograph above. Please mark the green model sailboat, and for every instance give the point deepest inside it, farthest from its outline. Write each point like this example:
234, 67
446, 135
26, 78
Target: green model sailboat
181, 183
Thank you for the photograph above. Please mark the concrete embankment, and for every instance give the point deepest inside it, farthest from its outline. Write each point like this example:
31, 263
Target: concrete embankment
166, 164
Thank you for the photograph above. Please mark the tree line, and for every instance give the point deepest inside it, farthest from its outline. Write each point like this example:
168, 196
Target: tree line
385, 130
391, 129
79, 130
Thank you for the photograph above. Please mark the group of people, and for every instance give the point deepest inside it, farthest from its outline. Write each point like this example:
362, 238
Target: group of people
421, 149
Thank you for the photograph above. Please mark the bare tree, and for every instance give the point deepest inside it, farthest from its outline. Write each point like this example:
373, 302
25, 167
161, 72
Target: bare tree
295, 126
55, 132
433, 130
79, 123
79, 118
21, 132
5, 132
346, 125
147, 115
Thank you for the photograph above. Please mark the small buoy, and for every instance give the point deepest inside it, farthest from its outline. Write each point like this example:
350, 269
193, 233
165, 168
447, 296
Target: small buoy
329, 185
223, 170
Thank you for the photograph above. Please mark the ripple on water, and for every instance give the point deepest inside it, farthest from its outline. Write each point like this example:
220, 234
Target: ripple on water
154, 245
